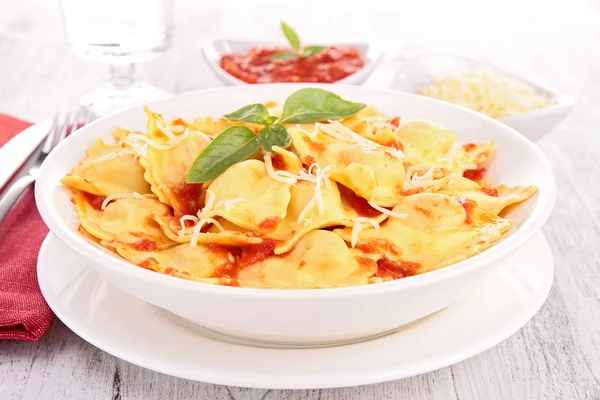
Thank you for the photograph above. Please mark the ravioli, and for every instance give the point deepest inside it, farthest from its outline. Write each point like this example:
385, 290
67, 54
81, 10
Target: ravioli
336, 212
438, 231
261, 201
320, 259
493, 200
370, 170
199, 263
230, 237
124, 220
107, 170
167, 162
427, 144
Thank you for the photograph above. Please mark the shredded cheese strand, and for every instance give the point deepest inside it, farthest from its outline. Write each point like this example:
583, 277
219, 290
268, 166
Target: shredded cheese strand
314, 132
113, 197
357, 228
386, 211
110, 156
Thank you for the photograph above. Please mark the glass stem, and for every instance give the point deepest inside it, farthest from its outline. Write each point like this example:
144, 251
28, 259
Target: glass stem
122, 76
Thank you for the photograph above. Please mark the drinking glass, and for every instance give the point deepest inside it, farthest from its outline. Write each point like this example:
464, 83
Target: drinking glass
119, 33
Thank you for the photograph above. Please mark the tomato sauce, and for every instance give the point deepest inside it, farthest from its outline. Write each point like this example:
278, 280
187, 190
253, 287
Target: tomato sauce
95, 201
257, 253
395, 121
394, 269
187, 196
359, 204
148, 263
469, 146
269, 224
475, 174
468, 205
278, 161
490, 192
145, 245
412, 191
257, 66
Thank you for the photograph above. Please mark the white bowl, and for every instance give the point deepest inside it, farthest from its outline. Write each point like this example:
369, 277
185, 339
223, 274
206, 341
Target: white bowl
214, 49
305, 317
418, 71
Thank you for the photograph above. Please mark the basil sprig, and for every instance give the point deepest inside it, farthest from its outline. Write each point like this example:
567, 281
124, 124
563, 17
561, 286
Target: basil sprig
238, 143
297, 50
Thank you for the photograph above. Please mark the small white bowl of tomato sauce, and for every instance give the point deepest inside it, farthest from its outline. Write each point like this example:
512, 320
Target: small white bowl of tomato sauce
240, 62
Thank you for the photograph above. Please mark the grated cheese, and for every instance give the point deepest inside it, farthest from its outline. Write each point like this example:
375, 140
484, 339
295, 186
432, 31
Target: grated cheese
358, 227
170, 144
279, 175
339, 131
320, 176
166, 131
110, 156
112, 197
202, 214
314, 132
229, 204
386, 211
182, 220
487, 91
396, 153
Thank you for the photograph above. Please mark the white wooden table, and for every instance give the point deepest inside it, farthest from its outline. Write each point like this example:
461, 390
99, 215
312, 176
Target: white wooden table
555, 356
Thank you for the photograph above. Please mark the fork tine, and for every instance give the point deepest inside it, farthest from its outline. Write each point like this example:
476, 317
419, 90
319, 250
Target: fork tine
50, 141
64, 127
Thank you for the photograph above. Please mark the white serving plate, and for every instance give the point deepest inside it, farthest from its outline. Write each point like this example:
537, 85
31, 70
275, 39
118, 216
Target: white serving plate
135, 331
214, 49
306, 317
418, 71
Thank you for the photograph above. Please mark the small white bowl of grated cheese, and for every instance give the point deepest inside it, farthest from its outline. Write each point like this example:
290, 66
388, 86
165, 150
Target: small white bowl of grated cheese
530, 108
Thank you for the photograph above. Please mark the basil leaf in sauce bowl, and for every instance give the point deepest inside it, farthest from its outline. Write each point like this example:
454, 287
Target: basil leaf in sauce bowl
310, 51
254, 113
313, 105
284, 55
291, 36
275, 135
231, 146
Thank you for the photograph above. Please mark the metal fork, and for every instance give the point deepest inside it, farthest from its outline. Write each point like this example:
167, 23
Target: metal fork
30, 170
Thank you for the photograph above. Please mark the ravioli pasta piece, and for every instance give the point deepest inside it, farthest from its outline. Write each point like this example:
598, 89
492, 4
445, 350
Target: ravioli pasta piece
107, 170
438, 231
230, 237
262, 203
373, 125
427, 145
166, 169
125, 221
368, 169
320, 259
492, 200
198, 263
336, 212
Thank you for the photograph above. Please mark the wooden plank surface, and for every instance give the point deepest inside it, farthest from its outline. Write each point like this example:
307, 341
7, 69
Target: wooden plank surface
555, 356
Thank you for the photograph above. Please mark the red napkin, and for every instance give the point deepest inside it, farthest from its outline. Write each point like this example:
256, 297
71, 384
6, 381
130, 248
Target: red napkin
24, 314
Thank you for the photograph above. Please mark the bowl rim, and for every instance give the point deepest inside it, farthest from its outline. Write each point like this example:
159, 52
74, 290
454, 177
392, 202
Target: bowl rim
562, 100
99, 256
212, 57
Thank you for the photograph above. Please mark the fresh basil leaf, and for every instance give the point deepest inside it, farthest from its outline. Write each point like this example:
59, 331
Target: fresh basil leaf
270, 120
291, 36
231, 146
313, 105
254, 113
310, 51
284, 55
275, 135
